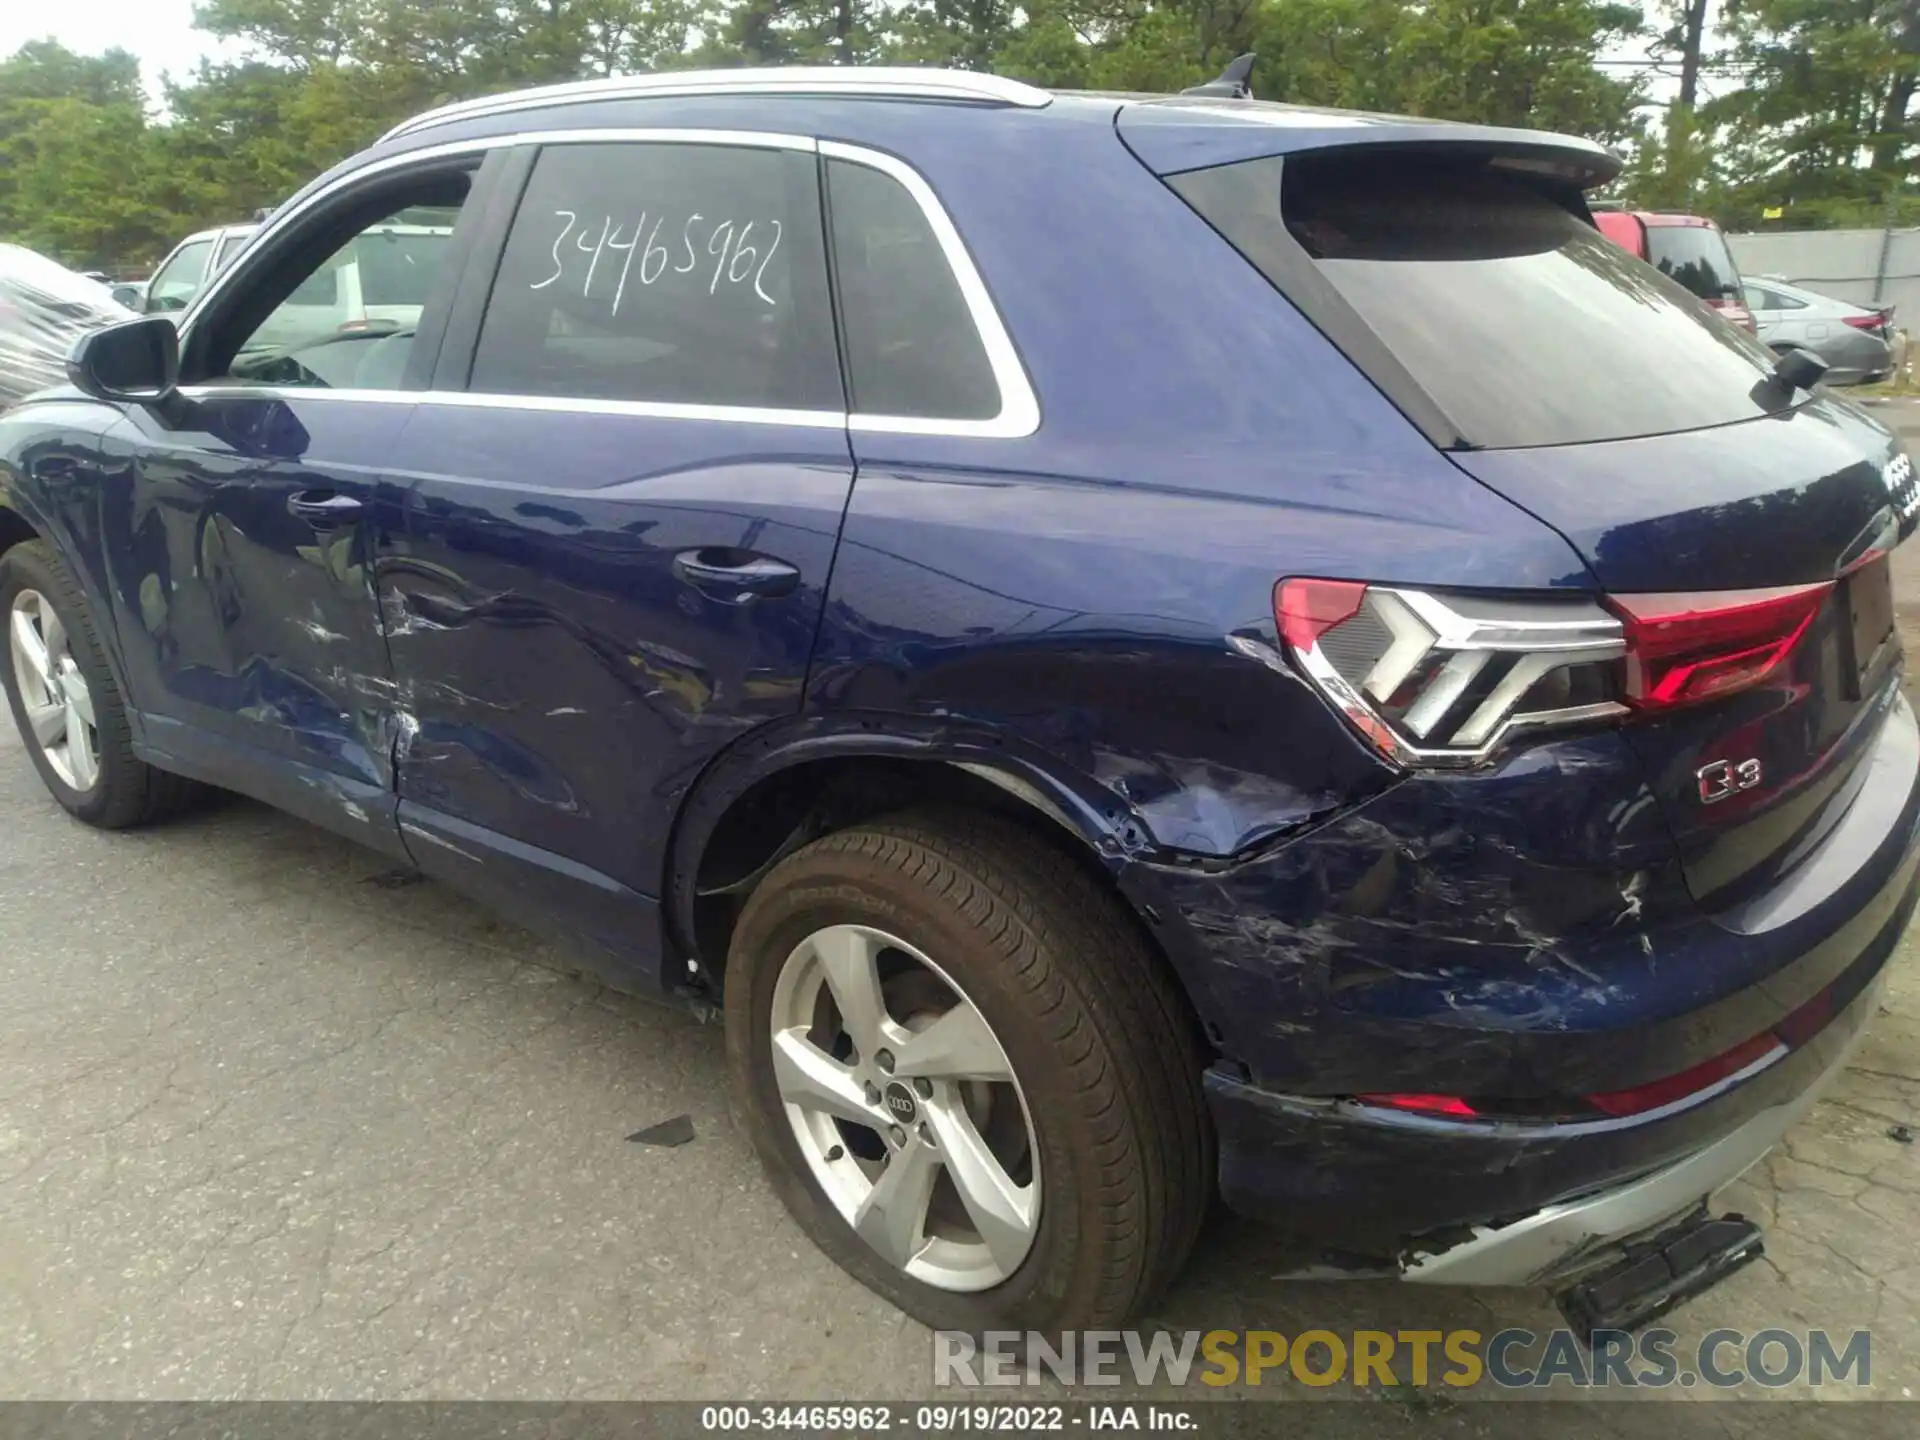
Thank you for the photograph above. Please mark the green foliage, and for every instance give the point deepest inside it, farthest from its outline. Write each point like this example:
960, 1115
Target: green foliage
95, 172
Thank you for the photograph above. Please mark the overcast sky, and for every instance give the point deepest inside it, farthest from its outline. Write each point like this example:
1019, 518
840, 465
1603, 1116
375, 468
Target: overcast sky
161, 33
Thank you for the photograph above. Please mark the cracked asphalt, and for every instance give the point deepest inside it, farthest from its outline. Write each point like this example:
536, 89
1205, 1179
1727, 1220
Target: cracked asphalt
279, 1122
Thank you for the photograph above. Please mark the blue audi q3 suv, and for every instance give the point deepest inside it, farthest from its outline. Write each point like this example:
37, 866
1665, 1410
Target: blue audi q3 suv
1139, 648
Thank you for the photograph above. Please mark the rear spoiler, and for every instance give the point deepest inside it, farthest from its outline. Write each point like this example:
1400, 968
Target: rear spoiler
1220, 123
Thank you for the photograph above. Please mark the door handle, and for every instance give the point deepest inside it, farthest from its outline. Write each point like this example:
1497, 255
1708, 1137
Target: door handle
735, 575
324, 509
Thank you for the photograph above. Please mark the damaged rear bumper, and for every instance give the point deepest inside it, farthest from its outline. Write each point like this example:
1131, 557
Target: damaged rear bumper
1511, 1203
1559, 1241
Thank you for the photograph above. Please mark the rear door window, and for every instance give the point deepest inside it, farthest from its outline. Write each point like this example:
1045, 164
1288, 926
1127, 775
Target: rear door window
1518, 319
399, 264
677, 273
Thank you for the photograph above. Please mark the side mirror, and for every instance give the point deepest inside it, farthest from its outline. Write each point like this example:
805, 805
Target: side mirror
136, 361
1798, 369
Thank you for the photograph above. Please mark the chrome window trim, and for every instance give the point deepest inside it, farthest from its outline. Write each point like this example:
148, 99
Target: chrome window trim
878, 82
559, 404
1019, 407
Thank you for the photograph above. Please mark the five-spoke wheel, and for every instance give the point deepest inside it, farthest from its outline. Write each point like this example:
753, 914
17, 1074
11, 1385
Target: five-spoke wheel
970, 1077
66, 702
53, 692
906, 1107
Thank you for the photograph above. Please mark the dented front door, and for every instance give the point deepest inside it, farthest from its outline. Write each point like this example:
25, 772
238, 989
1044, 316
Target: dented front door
244, 537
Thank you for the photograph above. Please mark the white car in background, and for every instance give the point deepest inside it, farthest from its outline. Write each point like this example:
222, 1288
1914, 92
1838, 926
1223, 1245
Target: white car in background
1854, 340
375, 286
191, 263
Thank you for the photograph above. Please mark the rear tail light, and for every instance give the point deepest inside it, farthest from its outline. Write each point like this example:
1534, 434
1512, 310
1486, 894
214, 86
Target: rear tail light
1443, 681
1682, 649
1762, 1049
1863, 322
1446, 680
1736, 312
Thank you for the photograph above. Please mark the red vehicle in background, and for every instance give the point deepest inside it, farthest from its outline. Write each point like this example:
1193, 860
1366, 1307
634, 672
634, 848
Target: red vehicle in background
1686, 248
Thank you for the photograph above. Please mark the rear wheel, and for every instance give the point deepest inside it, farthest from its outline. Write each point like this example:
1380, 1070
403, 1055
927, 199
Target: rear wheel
973, 1084
65, 702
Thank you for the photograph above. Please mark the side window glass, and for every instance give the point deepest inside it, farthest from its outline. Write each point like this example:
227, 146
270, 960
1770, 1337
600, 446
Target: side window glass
230, 246
1787, 302
912, 346
178, 281
1758, 299
349, 321
689, 274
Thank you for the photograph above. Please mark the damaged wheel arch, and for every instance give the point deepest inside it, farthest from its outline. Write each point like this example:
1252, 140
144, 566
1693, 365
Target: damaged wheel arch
786, 784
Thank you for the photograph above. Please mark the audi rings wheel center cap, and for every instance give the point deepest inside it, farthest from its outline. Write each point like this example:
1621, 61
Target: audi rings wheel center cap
900, 1104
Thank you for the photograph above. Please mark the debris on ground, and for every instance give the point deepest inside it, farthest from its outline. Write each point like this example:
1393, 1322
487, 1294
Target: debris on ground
677, 1131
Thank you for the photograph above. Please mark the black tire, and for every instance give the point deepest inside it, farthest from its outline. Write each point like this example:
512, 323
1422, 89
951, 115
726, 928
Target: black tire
1096, 1032
127, 791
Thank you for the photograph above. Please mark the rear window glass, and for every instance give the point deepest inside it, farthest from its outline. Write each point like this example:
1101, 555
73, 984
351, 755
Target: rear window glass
1696, 257
400, 267
230, 246
1518, 319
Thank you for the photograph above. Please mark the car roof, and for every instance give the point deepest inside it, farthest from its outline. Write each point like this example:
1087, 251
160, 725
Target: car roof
218, 232
1177, 121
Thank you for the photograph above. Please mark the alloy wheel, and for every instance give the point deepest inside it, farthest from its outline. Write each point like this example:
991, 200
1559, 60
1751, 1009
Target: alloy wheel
59, 707
906, 1108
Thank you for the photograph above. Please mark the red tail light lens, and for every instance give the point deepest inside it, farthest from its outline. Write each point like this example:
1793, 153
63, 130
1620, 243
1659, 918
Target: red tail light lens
1736, 312
1682, 649
1451, 1106
1863, 322
1642, 1098
1306, 609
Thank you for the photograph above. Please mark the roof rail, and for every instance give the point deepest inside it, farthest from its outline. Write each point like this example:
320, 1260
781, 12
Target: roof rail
877, 81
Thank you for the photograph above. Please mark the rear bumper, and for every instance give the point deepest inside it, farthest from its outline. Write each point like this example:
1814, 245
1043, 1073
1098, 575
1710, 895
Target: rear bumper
1558, 1240
1500, 1203
1510, 1200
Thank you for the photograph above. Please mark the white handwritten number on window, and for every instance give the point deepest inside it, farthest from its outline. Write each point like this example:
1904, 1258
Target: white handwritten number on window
737, 257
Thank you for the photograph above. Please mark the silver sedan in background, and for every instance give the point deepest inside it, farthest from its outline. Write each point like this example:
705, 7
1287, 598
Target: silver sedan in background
1854, 340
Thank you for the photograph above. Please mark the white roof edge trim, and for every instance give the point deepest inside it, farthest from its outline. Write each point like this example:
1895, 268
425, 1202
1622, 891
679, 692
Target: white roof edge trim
896, 81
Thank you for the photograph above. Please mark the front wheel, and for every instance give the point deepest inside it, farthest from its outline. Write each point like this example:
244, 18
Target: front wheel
972, 1082
65, 702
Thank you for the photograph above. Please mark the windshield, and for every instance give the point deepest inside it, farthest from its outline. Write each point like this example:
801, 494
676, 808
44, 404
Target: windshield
1517, 318
1696, 257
